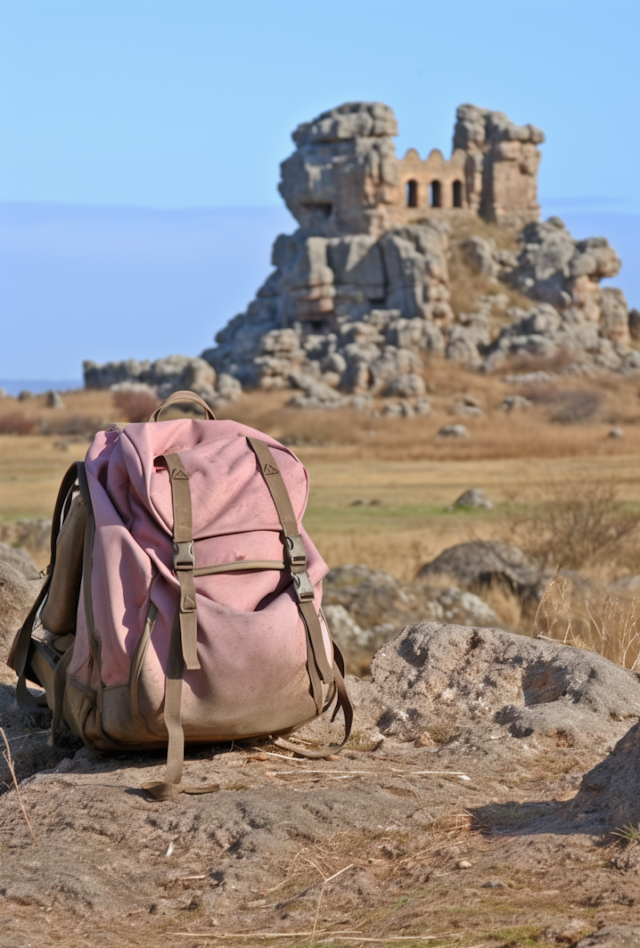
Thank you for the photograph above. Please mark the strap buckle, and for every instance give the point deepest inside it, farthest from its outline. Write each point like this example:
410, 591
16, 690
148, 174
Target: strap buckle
183, 558
296, 551
302, 586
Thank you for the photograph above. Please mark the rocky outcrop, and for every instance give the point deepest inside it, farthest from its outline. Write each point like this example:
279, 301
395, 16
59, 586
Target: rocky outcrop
164, 376
487, 675
344, 177
366, 608
480, 563
20, 584
608, 796
502, 164
361, 292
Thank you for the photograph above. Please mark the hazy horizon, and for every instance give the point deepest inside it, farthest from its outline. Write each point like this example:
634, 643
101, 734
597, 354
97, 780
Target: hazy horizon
141, 145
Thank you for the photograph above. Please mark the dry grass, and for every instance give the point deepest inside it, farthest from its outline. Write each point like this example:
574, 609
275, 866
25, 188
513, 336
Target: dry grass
578, 526
135, 406
16, 422
566, 494
608, 625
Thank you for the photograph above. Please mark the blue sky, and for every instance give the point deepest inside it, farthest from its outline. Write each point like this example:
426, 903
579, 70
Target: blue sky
140, 143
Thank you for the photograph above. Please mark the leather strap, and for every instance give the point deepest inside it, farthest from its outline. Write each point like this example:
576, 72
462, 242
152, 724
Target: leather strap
320, 671
184, 559
177, 397
170, 787
183, 643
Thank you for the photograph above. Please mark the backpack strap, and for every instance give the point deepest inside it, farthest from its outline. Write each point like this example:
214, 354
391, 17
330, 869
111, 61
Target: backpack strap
19, 654
184, 636
320, 671
183, 559
178, 397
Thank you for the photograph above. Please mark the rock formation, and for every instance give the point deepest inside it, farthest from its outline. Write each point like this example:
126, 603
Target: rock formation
164, 376
361, 292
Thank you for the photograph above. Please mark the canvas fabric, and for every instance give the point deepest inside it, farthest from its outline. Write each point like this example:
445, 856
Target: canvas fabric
180, 561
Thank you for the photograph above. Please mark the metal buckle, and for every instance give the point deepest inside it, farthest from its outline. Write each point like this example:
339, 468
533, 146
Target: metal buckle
302, 586
296, 551
183, 557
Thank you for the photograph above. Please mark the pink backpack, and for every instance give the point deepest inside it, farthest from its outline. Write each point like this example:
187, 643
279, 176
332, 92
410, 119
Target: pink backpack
183, 599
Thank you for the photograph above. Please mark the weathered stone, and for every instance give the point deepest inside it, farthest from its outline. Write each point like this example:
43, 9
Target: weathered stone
19, 586
502, 164
366, 275
608, 795
474, 497
482, 562
530, 686
515, 401
405, 386
453, 431
54, 400
478, 253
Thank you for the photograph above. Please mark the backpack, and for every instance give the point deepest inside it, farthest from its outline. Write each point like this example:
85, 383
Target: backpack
183, 599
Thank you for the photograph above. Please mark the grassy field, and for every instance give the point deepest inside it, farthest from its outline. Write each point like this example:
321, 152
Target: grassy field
564, 490
414, 476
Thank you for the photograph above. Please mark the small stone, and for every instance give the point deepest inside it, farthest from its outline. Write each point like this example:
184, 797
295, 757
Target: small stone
493, 884
425, 740
463, 864
54, 400
616, 433
471, 401
468, 410
514, 401
453, 431
473, 498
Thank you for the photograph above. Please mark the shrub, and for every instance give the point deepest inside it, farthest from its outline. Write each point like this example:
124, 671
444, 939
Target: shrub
576, 406
136, 406
578, 526
567, 406
16, 422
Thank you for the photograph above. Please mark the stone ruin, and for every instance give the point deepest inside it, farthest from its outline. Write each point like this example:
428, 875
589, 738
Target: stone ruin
361, 292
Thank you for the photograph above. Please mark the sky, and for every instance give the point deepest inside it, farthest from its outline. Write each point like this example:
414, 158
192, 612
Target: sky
140, 142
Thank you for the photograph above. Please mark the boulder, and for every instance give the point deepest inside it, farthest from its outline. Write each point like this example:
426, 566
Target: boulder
20, 584
406, 386
480, 563
474, 497
469, 676
608, 797
54, 400
478, 254
369, 607
512, 402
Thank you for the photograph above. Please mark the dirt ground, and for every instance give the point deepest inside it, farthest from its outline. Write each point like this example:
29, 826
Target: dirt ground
463, 835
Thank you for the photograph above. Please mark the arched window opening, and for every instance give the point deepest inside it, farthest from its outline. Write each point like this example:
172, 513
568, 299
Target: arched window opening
412, 193
457, 193
436, 194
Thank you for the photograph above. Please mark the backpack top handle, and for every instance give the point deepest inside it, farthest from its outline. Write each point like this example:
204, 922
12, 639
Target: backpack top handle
183, 397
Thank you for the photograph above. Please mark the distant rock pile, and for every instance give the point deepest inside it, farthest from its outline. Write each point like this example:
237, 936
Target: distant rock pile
164, 376
361, 292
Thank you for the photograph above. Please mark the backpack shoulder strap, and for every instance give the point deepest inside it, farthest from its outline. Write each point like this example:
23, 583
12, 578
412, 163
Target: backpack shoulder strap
19, 654
320, 671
